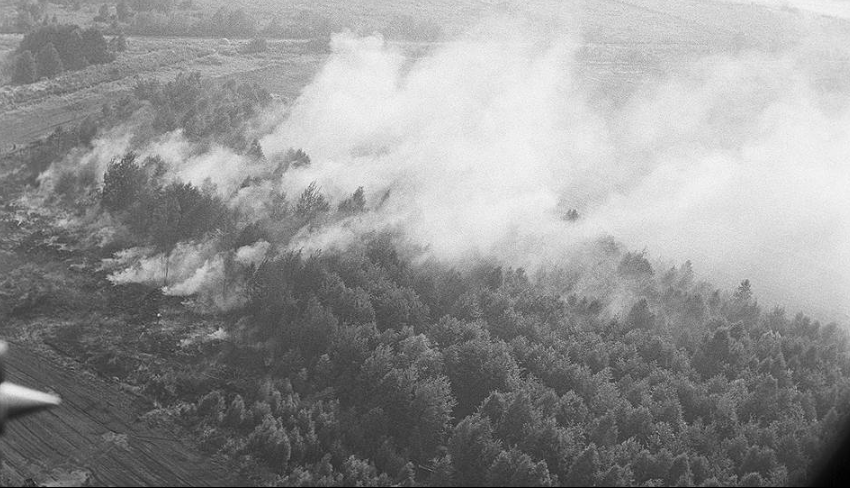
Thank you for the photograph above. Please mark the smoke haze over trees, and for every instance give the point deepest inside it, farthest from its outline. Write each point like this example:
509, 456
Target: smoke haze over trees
527, 141
465, 269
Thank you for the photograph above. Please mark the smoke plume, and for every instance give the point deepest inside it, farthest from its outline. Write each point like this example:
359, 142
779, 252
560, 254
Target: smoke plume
735, 162
496, 145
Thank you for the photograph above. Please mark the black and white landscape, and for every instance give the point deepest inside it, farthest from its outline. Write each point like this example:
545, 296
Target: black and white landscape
425, 243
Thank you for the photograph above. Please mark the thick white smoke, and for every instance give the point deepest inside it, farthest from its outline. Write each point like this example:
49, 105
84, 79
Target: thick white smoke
189, 269
185, 161
739, 164
474, 143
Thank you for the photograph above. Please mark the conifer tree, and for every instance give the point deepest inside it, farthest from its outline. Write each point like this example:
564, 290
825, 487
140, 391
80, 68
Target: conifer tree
24, 69
48, 63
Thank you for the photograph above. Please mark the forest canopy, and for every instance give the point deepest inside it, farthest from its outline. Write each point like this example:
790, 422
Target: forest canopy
371, 365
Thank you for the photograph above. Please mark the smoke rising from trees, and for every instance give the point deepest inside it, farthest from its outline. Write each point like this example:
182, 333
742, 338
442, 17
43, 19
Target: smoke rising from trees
735, 162
485, 145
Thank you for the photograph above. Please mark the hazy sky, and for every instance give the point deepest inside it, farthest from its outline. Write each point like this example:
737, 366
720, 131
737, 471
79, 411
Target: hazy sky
836, 8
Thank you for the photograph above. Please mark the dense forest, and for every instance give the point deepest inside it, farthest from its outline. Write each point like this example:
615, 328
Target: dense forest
374, 366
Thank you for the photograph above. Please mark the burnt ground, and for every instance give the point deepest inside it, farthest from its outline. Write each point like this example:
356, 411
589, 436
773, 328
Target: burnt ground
95, 437
103, 434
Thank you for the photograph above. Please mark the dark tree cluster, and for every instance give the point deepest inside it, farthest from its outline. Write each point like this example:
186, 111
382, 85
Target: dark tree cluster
158, 212
425, 374
368, 368
50, 50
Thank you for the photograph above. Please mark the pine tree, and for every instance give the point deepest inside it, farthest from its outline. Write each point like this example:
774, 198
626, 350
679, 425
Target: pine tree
256, 150
123, 183
584, 468
24, 69
48, 63
355, 203
744, 291
311, 202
